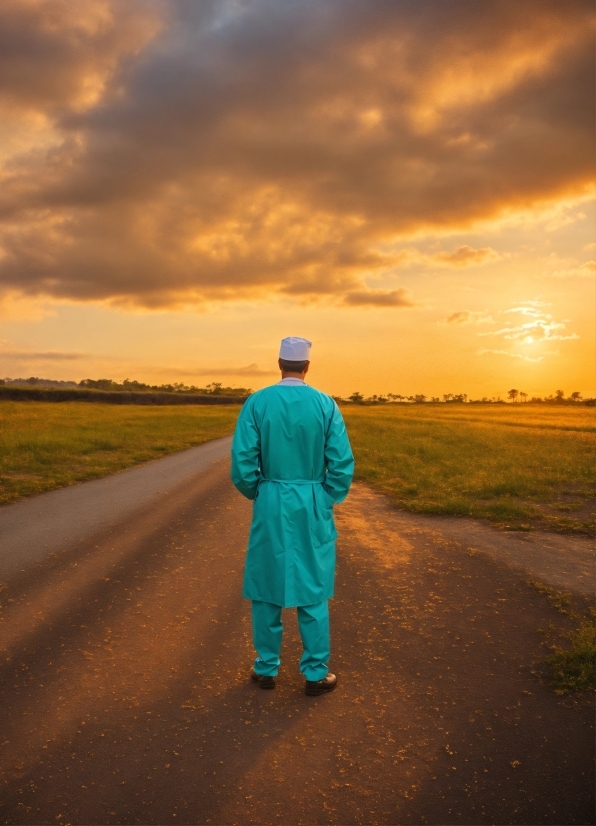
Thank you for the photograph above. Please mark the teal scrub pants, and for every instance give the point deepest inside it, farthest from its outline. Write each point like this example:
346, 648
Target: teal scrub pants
313, 622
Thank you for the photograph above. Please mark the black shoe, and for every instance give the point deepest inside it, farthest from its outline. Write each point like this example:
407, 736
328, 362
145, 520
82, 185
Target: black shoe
316, 687
264, 682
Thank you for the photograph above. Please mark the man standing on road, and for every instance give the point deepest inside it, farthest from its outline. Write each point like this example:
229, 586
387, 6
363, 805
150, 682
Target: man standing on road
292, 456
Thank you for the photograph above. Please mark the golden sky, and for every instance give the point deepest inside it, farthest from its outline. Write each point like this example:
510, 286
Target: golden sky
409, 183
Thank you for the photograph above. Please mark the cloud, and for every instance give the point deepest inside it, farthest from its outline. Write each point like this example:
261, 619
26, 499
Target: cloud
249, 370
160, 152
467, 317
484, 352
15, 306
569, 267
586, 270
465, 256
539, 330
49, 355
531, 309
379, 298
541, 327
564, 220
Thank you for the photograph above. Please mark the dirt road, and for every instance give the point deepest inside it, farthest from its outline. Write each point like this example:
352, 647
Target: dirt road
125, 698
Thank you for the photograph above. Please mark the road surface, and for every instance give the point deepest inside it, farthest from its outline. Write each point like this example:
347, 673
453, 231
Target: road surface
125, 696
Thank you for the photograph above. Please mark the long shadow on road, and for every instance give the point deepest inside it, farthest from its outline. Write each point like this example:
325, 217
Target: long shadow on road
132, 703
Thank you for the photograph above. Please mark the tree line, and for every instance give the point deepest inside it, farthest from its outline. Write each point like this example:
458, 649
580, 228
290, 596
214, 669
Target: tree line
514, 396
215, 388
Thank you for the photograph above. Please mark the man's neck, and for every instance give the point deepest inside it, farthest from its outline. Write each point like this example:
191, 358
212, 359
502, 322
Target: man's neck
299, 376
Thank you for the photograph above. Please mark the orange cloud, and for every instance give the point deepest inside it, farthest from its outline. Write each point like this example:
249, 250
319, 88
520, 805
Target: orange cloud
586, 270
521, 356
379, 298
467, 317
50, 355
540, 327
465, 256
170, 152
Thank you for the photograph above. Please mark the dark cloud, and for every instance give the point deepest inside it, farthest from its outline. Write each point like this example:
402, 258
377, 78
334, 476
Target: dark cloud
166, 152
467, 317
460, 317
379, 298
57, 56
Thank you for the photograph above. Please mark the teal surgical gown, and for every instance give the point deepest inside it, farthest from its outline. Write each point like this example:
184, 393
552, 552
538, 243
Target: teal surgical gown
292, 456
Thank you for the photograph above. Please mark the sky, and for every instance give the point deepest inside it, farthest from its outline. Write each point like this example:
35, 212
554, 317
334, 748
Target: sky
407, 183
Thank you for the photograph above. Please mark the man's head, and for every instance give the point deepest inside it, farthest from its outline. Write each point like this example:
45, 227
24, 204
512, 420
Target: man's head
294, 356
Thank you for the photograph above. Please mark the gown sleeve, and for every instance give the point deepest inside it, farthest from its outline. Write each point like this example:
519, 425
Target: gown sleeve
338, 458
246, 452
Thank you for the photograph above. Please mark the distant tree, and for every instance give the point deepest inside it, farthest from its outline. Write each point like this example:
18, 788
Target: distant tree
447, 397
435, 399
99, 384
420, 398
513, 394
356, 397
576, 396
523, 396
559, 396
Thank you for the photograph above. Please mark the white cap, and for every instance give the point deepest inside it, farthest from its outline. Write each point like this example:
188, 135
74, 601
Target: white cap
294, 348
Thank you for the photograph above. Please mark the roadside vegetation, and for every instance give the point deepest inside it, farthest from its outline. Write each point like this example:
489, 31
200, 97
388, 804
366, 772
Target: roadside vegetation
520, 466
45, 445
572, 665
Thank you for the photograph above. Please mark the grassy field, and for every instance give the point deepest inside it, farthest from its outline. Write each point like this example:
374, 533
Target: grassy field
44, 445
519, 466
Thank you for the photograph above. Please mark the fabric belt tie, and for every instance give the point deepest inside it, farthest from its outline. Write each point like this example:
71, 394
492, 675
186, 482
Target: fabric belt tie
299, 482
294, 481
